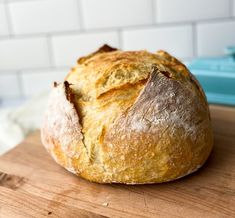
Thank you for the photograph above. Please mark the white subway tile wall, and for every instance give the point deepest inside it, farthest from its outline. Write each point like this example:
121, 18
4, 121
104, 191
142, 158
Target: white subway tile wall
44, 16
214, 37
34, 83
67, 48
9, 86
176, 40
41, 40
23, 53
191, 10
113, 13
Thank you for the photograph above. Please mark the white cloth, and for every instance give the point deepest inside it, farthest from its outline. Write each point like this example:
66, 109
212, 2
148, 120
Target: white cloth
17, 123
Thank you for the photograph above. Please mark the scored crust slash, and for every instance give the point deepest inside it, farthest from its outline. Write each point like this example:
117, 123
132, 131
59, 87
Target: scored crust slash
130, 117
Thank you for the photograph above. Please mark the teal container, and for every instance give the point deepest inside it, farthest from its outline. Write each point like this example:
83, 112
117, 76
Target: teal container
217, 77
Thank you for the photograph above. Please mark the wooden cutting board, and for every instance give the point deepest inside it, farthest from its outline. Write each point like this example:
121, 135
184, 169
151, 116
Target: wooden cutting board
33, 185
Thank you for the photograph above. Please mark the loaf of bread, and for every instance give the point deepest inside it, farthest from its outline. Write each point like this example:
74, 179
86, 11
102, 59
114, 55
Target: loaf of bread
130, 117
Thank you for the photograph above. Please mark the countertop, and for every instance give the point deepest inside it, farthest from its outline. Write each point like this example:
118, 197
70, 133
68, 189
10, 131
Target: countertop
33, 185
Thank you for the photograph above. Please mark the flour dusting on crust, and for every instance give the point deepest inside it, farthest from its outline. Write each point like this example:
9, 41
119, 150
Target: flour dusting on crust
165, 102
62, 123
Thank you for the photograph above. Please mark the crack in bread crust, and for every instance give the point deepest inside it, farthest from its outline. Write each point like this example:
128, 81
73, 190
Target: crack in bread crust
62, 130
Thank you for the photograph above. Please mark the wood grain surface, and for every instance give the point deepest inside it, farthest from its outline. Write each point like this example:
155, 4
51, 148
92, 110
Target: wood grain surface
33, 185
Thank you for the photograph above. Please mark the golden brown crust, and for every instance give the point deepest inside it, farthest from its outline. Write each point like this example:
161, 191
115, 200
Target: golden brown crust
129, 117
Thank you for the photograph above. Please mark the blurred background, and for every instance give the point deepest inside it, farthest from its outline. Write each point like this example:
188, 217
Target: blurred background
41, 40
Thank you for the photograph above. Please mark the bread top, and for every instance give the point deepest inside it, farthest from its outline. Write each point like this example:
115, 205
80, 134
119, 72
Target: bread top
107, 83
109, 69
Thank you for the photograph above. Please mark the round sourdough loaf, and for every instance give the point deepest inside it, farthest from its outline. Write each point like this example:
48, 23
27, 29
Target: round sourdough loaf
129, 117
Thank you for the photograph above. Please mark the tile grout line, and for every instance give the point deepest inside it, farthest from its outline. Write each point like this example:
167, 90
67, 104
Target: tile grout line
231, 8
50, 50
9, 21
111, 29
21, 1
120, 39
35, 70
194, 31
154, 15
20, 83
80, 15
